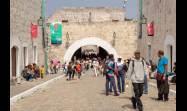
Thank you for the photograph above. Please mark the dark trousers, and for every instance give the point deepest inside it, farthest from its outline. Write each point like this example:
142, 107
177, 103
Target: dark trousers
79, 75
138, 91
121, 83
69, 73
73, 73
110, 86
163, 88
112, 81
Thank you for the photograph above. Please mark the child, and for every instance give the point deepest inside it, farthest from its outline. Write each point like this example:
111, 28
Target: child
42, 71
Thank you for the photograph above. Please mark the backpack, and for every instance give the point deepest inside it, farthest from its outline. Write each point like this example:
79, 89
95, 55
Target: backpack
133, 64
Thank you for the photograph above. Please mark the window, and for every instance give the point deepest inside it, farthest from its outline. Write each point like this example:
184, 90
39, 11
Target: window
115, 20
64, 21
25, 57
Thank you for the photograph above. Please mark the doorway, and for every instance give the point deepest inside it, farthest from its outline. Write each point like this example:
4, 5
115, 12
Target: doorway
25, 56
170, 57
14, 61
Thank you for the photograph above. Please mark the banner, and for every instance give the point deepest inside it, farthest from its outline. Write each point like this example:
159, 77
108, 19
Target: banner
34, 31
56, 33
150, 29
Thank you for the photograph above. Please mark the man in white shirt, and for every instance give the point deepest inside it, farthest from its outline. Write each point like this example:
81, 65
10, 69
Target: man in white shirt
136, 73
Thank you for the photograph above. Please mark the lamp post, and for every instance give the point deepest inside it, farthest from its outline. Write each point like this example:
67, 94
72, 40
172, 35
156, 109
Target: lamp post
41, 22
142, 19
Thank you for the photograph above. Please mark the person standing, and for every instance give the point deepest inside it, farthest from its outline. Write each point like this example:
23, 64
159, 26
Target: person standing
146, 78
136, 73
162, 79
105, 72
121, 76
110, 76
42, 71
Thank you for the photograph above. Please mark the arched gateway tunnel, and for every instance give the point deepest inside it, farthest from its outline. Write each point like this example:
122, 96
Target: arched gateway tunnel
104, 28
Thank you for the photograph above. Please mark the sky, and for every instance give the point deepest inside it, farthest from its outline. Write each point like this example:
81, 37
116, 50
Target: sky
52, 5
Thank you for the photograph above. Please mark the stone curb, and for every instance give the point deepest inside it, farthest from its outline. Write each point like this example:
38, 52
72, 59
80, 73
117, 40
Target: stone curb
171, 91
32, 90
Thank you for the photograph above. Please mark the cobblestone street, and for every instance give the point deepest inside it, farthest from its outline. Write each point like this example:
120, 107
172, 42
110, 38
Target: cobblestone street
87, 94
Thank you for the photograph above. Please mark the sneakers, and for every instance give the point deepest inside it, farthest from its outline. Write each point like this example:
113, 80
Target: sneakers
116, 94
159, 99
167, 99
140, 108
133, 102
107, 94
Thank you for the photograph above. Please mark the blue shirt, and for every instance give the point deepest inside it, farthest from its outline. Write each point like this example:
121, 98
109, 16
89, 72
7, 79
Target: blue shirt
162, 61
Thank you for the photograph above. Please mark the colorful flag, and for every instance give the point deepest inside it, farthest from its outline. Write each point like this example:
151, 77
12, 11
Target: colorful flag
150, 29
56, 33
34, 31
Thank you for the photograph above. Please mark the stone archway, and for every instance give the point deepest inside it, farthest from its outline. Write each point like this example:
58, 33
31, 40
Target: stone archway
89, 41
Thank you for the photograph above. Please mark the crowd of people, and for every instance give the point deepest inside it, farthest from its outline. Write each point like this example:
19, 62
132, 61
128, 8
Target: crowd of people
119, 74
33, 71
138, 71
80, 66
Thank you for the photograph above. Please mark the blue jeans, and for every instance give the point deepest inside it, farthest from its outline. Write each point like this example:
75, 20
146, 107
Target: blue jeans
145, 84
112, 82
110, 86
121, 83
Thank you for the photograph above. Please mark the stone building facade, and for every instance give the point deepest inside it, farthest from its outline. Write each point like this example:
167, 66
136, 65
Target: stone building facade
95, 26
22, 49
163, 14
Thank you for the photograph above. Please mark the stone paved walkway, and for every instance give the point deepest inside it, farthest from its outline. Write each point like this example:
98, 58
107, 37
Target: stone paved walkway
25, 85
87, 94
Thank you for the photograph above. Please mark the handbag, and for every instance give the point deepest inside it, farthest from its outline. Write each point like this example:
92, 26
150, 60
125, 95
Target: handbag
116, 70
159, 76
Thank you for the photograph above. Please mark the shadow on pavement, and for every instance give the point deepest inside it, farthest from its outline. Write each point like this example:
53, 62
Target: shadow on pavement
125, 98
129, 106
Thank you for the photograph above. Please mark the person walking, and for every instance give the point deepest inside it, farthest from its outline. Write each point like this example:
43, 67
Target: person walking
78, 69
73, 70
69, 72
121, 76
110, 76
96, 66
161, 77
136, 73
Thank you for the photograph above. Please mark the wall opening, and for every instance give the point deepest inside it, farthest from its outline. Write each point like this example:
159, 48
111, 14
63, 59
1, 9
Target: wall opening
170, 57
35, 55
89, 41
14, 61
25, 56
88, 52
